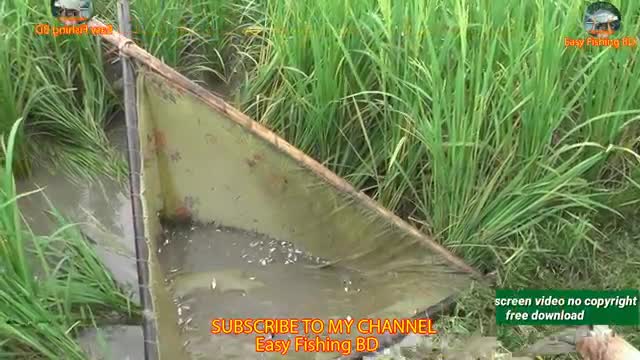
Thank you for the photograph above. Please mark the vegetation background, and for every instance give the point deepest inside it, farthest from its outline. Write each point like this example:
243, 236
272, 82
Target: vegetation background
469, 119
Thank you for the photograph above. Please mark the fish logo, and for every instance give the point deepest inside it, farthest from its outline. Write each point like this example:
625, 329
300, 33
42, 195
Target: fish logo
602, 19
72, 12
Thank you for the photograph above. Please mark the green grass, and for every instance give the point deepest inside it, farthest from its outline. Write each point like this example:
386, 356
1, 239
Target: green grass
485, 129
55, 285
50, 286
472, 119
187, 38
57, 85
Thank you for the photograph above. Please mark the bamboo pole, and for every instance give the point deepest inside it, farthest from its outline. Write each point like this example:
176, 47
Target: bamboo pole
133, 142
129, 48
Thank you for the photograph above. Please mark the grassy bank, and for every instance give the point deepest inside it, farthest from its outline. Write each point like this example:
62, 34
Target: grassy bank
472, 120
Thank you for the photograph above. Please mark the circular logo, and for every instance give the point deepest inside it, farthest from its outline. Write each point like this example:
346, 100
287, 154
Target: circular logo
602, 19
72, 12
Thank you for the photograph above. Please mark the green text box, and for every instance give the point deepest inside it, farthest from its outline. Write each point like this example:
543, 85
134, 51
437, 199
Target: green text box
567, 307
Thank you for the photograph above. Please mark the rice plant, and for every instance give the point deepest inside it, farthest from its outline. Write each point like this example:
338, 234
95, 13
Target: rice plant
474, 119
57, 85
188, 36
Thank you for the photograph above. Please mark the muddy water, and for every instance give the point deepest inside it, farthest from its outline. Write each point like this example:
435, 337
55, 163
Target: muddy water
218, 272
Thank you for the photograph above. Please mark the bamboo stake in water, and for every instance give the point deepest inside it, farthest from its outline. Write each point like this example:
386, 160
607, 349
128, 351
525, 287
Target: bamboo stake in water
142, 252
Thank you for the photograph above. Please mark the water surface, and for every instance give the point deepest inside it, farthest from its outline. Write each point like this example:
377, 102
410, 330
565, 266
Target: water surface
218, 272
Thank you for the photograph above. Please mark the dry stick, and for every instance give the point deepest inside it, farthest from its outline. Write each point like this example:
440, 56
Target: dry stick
129, 48
142, 252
